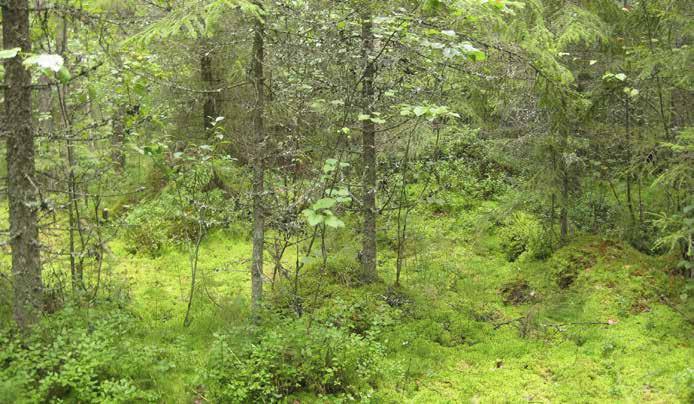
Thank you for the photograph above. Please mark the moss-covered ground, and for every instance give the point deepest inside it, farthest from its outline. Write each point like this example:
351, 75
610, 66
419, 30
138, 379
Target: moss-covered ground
596, 322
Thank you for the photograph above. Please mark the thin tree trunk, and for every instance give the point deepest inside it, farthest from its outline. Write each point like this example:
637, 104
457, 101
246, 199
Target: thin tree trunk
258, 164
210, 108
118, 138
21, 188
100, 241
368, 253
627, 128
194, 264
564, 213
659, 86
402, 218
74, 216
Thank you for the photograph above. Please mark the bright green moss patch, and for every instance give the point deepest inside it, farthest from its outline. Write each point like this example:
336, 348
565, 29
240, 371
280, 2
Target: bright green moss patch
592, 323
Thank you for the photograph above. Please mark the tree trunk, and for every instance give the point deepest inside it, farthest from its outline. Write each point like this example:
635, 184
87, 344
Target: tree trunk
564, 212
627, 128
368, 252
258, 164
402, 216
21, 185
118, 138
210, 107
74, 219
566, 171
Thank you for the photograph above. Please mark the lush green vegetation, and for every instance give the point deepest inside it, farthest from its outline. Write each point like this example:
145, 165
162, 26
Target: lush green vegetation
467, 324
322, 201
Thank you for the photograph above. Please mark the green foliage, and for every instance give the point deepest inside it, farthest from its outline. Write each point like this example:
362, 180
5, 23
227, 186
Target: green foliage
595, 214
320, 213
174, 215
676, 229
193, 19
523, 237
68, 359
677, 234
287, 359
463, 169
359, 311
146, 227
561, 106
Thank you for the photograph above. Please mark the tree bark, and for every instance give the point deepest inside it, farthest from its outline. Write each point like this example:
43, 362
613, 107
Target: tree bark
258, 164
210, 107
118, 138
368, 252
566, 171
21, 185
564, 212
627, 129
402, 216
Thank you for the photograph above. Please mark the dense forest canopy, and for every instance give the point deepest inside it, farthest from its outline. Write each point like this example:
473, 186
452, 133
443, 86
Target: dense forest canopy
355, 200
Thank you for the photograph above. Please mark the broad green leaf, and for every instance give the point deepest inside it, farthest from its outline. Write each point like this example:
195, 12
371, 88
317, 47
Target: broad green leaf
473, 53
631, 92
63, 75
325, 203
312, 217
330, 165
334, 222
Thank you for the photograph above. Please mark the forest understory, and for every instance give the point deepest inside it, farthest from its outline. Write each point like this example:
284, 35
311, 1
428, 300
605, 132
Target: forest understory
465, 325
321, 201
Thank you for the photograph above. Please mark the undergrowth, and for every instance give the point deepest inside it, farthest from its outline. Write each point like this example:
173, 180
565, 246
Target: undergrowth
596, 321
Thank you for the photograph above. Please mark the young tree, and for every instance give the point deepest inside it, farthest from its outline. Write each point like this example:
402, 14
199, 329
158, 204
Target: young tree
369, 174
258, 77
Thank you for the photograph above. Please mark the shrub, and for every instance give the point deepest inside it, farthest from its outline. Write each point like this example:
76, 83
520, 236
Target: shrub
145, 228
288, 360
173, 215
356, 313
524, 237
61, 362
595, 214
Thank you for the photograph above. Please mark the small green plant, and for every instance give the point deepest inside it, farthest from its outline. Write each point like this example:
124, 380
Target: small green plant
289, 359
524, 237
64, 362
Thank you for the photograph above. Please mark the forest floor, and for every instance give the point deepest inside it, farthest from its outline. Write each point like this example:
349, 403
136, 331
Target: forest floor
590, 324
518, 335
